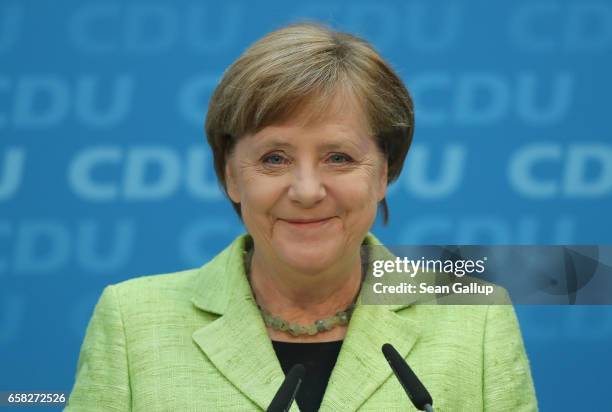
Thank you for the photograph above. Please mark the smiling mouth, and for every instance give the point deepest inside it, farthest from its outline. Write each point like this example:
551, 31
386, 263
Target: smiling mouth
307, 223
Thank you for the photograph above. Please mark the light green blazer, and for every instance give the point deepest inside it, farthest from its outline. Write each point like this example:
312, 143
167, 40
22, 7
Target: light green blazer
195, 341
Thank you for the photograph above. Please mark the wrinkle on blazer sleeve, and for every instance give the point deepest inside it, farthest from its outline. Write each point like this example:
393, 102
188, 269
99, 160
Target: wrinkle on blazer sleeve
102, 379
507, 382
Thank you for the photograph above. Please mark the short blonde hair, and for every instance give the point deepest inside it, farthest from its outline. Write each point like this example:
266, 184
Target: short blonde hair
301, 67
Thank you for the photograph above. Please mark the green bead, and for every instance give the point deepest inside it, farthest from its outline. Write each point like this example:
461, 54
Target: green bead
294, 329
284, 326
276, 323
329, 324
320, 324
342, 318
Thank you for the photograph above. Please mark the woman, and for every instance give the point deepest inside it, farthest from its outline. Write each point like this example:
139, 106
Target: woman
307, 129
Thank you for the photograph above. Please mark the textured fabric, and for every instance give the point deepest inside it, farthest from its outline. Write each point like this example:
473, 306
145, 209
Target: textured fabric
195, 341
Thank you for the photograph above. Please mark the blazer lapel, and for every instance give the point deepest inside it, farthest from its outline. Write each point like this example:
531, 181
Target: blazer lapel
237, 342
361, 367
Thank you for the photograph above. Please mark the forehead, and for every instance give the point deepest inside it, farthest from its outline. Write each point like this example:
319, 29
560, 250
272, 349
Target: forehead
333, 122
340, 133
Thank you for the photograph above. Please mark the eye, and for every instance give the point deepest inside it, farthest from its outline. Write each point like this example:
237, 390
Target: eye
340, 158
274, 159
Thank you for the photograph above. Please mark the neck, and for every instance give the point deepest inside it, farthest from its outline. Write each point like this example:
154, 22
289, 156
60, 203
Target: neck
305, 297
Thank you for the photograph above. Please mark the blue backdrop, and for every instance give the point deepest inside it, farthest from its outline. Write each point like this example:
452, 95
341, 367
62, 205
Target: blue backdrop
105, 173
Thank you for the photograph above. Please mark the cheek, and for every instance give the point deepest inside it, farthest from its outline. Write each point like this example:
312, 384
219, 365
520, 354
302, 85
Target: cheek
259, 194
357, 193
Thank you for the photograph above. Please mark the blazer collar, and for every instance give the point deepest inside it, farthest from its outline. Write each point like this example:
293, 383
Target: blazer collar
221, 279
238, 345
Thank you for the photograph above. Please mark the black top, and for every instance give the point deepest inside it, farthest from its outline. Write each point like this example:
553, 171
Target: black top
318, 358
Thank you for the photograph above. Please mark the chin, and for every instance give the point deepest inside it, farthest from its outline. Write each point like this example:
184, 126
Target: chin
310, 258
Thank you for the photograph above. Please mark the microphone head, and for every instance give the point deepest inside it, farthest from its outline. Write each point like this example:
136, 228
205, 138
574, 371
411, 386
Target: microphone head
286, 393
411, 384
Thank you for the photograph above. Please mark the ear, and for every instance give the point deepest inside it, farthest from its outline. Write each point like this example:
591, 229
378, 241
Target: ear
382, 184
231, 182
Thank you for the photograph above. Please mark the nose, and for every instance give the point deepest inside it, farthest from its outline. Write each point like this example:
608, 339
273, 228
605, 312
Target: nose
306, 187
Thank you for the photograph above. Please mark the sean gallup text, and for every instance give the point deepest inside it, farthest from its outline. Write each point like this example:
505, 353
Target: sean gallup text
472, 288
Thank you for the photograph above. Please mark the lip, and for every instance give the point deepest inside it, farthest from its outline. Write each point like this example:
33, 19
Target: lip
306, 220
307, 223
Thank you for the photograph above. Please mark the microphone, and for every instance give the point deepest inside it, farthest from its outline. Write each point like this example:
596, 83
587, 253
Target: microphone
417, 393
286, 393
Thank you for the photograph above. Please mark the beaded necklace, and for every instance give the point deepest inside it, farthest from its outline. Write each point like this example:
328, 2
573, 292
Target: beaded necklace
295, 329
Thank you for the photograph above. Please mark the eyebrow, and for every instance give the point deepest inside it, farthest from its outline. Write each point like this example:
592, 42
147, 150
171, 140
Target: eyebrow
278, 143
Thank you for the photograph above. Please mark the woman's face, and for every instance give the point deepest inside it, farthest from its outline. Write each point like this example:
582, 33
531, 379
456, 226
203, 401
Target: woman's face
308, 192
